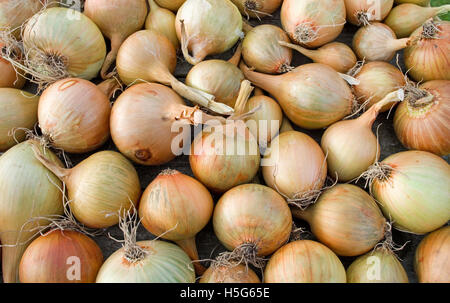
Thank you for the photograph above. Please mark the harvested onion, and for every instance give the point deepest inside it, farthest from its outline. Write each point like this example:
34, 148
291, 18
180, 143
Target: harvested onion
234, 274
257, 8
360, 12
14, 13
173, 5
162, 20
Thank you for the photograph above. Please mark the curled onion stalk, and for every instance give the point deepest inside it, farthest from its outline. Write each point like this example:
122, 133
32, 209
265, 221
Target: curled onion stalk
428, 58
304, 261
13, 13
313, 23
117, 20
8, 75
177, 207
173, 5
421, 122
360, 12
229, 274
149, 56
162, 20
377, 42
207, 27
257, 8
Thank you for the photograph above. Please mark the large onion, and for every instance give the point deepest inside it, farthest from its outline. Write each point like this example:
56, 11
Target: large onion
162, 20
173, 5
359, 12
13, 13
234, 274
257, 8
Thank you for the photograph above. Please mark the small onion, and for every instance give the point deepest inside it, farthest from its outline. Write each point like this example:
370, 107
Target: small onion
18, 109
432, 257
313, 23
234, 274
422, 121
54, 257
173, 5
8, 75
13, 13
359, 12
304, 261
207, 27
257, 8
162, 20
346, 219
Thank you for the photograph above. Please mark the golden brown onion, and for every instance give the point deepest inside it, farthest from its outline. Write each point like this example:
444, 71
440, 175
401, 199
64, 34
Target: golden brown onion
234, 274
359, 12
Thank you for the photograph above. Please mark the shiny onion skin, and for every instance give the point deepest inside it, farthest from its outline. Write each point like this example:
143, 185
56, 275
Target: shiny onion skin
13, 13
373, 10
425, 125
304, 261
257, 8
415, 193
313, 23
431, 261
173, 5
18, 109
74, 115
162, 21
49, 258
234, 274
312, 96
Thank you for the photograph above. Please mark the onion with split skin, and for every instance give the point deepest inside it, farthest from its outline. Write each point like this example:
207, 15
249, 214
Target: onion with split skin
235, 274
173, 5
360, 12
162, 20
257, 8
13, 13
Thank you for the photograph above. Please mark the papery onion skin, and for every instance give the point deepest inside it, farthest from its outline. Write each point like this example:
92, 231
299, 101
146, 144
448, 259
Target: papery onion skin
428, 59
325, 18
253, 214
27, 190
49, 258
390, 268
234, 274
304, 261
14, 13
257, 8
18, 109
415, 194
431, 261
426, 127
164, 263
173, 5
74, 114
163, 21
378, 10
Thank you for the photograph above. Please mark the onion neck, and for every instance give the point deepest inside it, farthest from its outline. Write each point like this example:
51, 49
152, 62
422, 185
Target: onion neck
246, 27
237, 56
369, 117
62, 173
109, 87
312, 54
269, 83
116, 42
399, 44
153, 6
441, 9
241, 101
189, 246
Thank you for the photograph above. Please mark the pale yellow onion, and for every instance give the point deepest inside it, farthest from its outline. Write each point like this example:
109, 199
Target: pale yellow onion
257, 8
13, 13
361, 11
173, 5
378, 266
304, 261
377, 42
431, 261
418, 2
313, 23
99, 187
234, 274
312, 96
413, 191
162, 21
8, 75
27, 190
117, 19
346, 219
18, 109
209, 27
422, 121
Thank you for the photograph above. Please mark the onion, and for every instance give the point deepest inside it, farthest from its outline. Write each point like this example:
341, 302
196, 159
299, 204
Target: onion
431, 260
177, 207
252, 221
117, 20
13, 13
406, 18
421, 122
8, 75
234, 274
411, 188
428, 58
418, 2
377, 42
379, 266
360, 12
261, 51
257, 8
162, 20
207, 27
304, 261
18, 109
27, 190
351, 145
285, 125
313, 23
335, 54
98, 187
173, 5
312, 96
74, 115
55, 256
149, 56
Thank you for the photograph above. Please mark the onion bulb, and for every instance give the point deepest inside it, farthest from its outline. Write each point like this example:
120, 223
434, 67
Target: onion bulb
312, 96
149, 56
235, 274
173, 5
428, 58
257, 8
377, 42
431, 261
378, 266
176, 207
304, 261
98, 187
27, 190
360, 12
8, 75
207, 27
418, 2
313, 23
13, 13
346, 219
54, 257
421, 122
252, 221
18, 109
162, 20
285, 125
351, 145
412, 189
117, 20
